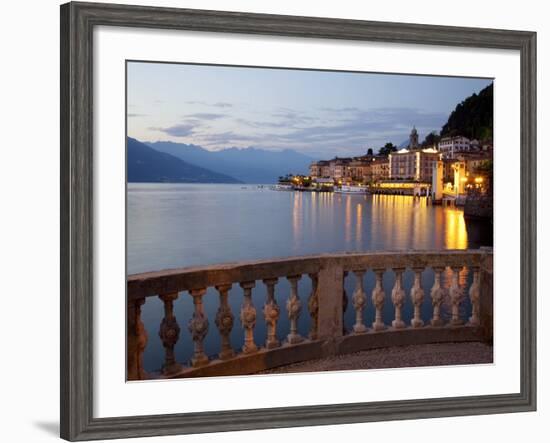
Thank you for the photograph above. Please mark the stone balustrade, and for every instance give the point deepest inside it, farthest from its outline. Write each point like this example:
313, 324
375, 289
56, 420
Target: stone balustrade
326, 305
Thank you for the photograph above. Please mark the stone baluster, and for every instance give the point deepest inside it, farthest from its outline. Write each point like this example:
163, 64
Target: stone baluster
313, 307
456, 298
271, 314
437, 294
198, 327
224, 322
136, 341
417, 297
398, 299
378, 297
294, 308
169, 334
359, 300
345, 302
474, 298
248, 318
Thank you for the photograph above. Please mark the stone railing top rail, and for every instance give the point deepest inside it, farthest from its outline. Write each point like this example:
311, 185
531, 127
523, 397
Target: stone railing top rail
185, 279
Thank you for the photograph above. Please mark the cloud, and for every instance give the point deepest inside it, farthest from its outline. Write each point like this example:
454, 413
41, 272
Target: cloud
180, 130
216, 105
340, 131
343, 109
206, 116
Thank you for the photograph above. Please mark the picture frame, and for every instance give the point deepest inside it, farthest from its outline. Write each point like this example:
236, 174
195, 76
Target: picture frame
78, 21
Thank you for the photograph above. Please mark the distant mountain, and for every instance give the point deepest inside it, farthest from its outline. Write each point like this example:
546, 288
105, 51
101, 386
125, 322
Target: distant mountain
250, 165
146, 165
404, 144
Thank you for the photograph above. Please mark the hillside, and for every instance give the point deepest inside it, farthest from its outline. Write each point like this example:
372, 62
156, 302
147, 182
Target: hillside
250, 165
146, 165
473, 117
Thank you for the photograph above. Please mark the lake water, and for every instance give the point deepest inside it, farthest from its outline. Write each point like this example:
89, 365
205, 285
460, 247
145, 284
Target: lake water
178, 225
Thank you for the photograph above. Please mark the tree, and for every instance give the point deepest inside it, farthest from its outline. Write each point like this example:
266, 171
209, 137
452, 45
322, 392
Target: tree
387, 149
431, 139
473, 118
369, 151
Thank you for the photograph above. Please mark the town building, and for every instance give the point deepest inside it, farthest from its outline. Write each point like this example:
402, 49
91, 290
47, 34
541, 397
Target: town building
413, 163
320, 168
472, 161
361, 168
475, 162
339, 168
380, 169
451, 146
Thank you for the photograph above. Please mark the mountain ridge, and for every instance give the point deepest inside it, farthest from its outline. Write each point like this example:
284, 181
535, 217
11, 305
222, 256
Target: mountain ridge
249, 165
147, 165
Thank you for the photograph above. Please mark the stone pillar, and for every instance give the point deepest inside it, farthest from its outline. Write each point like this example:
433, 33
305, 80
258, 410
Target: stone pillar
417, 296
378, 296
313, 307
359, 300
136, 341
345, 302
437, 294
248, 318
169, 334
474, 298
224, 322
330, 294
271, 314
198, 327
486, 296
456, 298
398, 298
294, 308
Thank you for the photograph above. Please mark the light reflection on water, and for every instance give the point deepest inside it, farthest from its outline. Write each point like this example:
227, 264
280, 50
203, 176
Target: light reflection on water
178, 225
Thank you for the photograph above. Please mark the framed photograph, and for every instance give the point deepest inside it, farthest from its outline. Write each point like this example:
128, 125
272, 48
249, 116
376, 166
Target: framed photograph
272, 221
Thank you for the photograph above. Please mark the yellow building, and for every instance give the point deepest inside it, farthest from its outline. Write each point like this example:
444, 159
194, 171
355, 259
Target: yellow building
380, 169
415, 164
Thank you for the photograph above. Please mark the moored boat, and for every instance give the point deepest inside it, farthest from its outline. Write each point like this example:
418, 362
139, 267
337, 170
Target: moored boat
351, 189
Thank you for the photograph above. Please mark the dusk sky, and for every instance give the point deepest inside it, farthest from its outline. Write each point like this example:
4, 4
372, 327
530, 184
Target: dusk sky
318, 113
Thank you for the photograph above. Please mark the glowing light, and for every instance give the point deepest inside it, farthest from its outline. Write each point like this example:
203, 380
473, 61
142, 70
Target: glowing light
479, 179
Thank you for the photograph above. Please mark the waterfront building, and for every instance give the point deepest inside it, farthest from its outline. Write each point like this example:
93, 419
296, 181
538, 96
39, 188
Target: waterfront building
320, 168
323, 184
360, 169
451, 146
474, 162
380, 169
414, 164
339, 168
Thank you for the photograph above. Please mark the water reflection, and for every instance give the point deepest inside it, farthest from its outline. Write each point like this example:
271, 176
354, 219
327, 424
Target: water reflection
456, 235
334, 222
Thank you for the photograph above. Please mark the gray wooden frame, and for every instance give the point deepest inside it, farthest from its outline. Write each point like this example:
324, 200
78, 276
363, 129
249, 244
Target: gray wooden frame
77, 23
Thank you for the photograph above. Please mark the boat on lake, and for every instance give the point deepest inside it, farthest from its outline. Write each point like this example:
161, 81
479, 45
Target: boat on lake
283, 187
351, 189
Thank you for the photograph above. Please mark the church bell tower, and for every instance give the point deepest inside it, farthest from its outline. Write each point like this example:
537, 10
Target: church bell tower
413, 139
